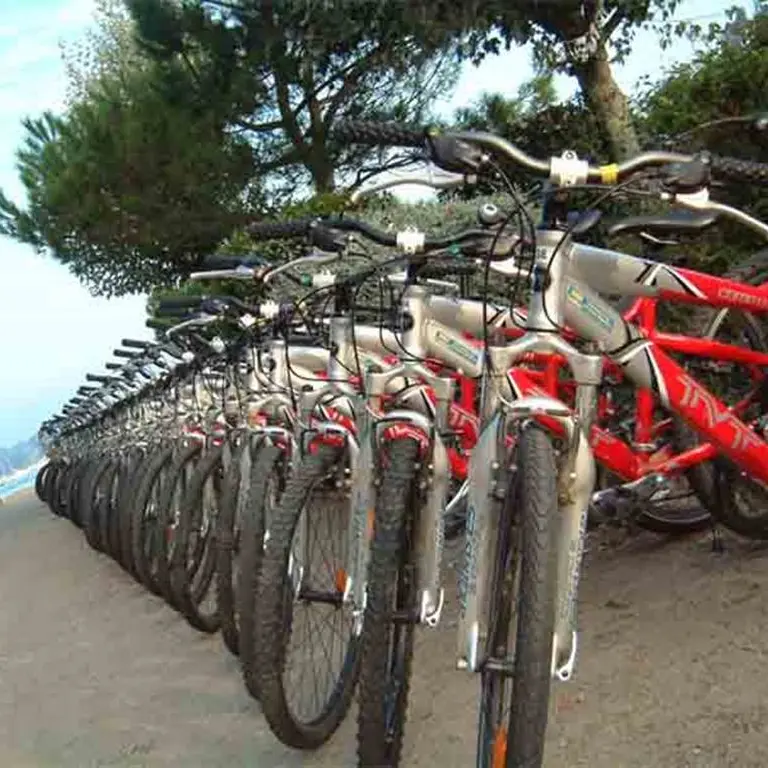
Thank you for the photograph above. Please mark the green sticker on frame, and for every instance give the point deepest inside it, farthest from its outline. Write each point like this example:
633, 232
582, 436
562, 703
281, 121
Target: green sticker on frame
586, 305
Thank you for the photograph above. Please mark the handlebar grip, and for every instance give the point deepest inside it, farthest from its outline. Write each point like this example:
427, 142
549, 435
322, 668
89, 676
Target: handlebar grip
179, 302
279, 230
98, 377
124, 353
174, 350
84, 390
136, 343
158, 324
113, 366
438, 271
380, 134
739, 170
176, 313
220, 261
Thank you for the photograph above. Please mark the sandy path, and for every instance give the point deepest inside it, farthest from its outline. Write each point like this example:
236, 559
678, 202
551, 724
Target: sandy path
94, 671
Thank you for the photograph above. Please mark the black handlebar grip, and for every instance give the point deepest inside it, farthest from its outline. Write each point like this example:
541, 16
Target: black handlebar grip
97, 377
170, 303
113, 366
172, 349
380, 134
279, 230
220, 261
178, 314
84, 390
179, 302
124, 353
136, 343
735, 169
437, 271
157, 324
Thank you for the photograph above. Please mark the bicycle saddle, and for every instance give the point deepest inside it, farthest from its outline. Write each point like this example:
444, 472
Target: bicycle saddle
675, 222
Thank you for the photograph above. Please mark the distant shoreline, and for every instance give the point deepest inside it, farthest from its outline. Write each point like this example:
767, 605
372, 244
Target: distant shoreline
20, 480
19, 472
16, 496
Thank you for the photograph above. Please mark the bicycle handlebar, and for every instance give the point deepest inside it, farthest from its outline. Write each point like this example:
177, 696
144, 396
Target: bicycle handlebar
157, 324
462, 151
739, 170
173, 306
220, 261
137, 343
407, 239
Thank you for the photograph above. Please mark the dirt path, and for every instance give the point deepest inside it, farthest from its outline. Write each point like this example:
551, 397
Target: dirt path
94, 671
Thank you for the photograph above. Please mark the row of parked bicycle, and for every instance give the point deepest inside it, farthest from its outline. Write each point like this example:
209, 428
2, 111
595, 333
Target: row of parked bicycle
288, 472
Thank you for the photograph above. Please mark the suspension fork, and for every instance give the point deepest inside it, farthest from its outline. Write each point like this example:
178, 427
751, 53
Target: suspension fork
575, 483
372, 424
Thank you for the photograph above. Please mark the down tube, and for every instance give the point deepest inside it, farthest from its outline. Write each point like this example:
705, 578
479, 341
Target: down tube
647, 365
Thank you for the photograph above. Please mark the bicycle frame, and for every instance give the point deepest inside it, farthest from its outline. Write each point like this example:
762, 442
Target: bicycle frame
577, 272
632, 462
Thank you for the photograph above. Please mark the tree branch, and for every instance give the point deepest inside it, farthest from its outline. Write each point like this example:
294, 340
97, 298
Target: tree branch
612, 24
247, 125
350, 82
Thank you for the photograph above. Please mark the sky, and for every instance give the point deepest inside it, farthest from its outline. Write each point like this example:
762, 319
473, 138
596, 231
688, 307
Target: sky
52, 331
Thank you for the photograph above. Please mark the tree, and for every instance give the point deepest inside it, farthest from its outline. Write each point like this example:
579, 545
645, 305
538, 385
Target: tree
727, 78
580, 37
130, 189
534, 119
177, 135
290, 71
108, 49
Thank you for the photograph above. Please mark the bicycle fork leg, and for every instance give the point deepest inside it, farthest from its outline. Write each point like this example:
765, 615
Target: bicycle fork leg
576, 483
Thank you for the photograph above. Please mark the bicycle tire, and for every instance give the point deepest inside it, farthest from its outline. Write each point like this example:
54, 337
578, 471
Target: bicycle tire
188, 595
40, 480
152, 476
138, 460
89, 501
713, 482
104, 509
186, 456
227, 541
532, 497
266, 484
386, 653
273, 624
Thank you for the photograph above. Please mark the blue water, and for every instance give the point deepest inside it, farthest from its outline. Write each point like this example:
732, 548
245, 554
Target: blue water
24, 480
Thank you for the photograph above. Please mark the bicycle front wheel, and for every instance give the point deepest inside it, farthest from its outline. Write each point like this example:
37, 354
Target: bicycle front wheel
517, 675
391, 610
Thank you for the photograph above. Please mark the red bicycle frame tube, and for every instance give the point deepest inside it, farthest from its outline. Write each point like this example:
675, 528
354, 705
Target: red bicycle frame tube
678, 391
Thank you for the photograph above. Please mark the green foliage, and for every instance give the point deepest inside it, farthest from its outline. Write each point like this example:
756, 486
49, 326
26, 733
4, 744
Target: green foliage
535, 120
128, 190
727, 78
288, 74
108, 49
577, 37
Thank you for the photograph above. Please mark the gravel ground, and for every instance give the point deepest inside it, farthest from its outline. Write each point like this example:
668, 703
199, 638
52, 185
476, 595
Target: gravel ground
94, 671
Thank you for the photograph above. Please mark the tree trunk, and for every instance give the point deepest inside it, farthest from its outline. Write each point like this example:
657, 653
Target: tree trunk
323, 176
608, 103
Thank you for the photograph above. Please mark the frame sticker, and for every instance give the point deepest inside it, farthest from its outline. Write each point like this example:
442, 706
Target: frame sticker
589, 307
464, 351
